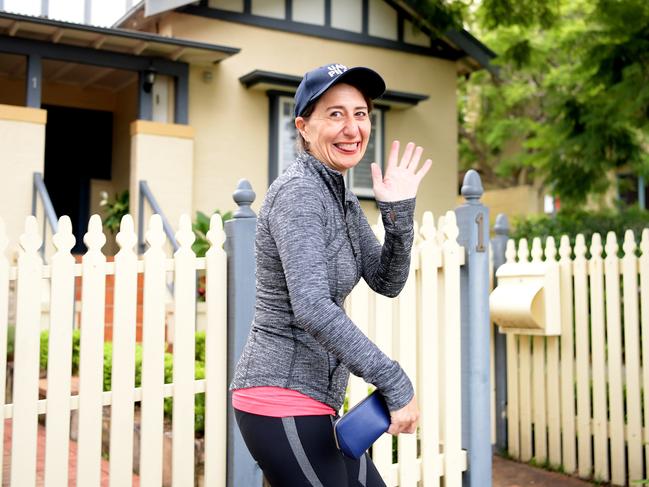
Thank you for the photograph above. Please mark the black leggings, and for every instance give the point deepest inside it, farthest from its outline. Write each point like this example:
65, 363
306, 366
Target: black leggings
301, 451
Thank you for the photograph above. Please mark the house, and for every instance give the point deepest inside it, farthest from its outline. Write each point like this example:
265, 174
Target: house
193, 98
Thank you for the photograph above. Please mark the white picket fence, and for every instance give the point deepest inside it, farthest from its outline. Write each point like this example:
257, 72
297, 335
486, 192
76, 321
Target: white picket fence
30, 275
581, 401
421, 329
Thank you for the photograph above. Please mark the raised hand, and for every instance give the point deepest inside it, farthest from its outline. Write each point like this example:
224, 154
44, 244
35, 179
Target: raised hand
402, 178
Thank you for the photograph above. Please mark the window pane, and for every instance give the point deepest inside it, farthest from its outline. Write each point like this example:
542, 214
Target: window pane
287, 133
361, 175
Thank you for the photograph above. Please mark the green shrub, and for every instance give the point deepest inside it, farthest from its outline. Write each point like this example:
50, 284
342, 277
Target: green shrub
572, 222
11, 339
199, 364
200, 346
45, 341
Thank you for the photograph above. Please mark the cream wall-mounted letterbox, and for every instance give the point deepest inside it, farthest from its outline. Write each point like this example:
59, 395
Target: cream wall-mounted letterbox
527, 299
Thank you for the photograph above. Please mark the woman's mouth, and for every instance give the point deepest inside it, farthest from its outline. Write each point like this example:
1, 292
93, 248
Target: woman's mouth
348, 147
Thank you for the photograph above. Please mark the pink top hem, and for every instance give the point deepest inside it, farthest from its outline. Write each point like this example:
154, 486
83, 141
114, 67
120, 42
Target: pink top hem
277, 402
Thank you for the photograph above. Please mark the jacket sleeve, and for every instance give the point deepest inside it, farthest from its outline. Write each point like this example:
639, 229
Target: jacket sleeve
297, 224
386, 268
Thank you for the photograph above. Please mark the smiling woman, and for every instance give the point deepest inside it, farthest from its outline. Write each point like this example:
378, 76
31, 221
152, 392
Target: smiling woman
313, 246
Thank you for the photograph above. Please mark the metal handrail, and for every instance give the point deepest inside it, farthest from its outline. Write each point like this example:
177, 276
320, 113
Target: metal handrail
39, 190
146, 194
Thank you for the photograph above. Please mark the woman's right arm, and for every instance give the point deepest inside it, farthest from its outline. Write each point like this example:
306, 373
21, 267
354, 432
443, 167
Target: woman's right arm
297, 224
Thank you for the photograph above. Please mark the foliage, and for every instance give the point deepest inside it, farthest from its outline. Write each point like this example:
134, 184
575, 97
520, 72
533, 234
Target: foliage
201, 226
570, 102
11, 340
572, 222
115, 210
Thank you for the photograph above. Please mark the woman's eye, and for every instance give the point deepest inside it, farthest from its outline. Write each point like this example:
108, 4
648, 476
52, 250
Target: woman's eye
361, 114
336, 114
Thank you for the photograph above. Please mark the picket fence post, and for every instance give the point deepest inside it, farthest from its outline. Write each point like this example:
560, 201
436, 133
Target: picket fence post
473, 224
240, 249
498, 248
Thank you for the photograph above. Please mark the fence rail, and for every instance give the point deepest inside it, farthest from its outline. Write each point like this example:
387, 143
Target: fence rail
580, 401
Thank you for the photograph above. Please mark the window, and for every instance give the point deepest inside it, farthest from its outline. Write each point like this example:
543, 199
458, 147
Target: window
632, 190
283, 151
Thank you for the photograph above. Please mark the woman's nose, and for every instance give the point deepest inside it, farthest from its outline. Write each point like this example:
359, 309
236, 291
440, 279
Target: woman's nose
351, 127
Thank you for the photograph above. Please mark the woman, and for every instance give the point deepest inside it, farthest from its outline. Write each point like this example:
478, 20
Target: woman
313, 244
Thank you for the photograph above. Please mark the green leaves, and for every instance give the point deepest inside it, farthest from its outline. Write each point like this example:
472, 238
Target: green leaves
201, 226
571, 104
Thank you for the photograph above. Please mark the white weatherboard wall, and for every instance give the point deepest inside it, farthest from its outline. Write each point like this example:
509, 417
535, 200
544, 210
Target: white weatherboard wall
22, 152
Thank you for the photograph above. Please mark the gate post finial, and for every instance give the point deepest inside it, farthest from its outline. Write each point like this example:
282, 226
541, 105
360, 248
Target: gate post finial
472, 188
244, 196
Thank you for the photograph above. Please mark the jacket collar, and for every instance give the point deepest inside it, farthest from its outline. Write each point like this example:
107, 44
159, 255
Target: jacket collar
334, 180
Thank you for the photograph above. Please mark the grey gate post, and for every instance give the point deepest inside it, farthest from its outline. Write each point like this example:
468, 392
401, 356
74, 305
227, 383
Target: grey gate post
498, 248
473, 223
242, 470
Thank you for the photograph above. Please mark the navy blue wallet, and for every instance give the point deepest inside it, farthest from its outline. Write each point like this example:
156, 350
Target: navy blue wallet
363, 424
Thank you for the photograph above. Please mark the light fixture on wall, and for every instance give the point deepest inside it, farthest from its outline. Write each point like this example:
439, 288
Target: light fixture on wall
149, 80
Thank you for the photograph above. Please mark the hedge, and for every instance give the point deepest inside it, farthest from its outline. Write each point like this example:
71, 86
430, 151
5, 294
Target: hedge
573, 222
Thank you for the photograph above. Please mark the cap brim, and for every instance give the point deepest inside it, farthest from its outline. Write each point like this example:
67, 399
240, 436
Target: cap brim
366, 80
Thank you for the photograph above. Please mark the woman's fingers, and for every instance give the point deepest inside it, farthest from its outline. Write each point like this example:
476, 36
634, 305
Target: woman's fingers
405, 419
424, 169
414, 162
393, 157
377, 177
407, 155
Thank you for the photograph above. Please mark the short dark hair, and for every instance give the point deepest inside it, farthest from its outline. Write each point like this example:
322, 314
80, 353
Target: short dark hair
300, 143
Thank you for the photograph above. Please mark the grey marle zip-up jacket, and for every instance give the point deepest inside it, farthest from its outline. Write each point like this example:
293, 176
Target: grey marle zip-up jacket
313, 245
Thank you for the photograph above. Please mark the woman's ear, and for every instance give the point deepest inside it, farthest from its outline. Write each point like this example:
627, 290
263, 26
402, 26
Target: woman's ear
300, 125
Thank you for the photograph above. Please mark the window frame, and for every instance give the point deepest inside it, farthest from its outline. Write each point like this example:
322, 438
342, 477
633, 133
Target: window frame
274, 145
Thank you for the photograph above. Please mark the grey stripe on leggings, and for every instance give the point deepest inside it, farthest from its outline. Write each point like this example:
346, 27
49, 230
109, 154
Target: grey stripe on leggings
298, 450
362, 470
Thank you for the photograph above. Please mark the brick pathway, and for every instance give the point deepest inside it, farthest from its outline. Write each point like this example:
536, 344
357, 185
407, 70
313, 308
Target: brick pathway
40, 460
507, 473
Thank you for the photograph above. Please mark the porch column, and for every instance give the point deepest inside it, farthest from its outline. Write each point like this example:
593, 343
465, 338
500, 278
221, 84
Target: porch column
163, 155
22, 148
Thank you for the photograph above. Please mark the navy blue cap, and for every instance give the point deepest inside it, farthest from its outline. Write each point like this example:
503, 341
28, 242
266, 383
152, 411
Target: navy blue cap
319, 80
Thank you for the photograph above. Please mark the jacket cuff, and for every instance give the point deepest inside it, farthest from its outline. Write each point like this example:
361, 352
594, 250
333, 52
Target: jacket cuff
398, 391
397, 216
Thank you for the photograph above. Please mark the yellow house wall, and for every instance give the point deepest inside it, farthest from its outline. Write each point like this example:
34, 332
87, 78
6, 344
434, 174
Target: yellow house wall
232, 122
162, 155
517, 201
22, 150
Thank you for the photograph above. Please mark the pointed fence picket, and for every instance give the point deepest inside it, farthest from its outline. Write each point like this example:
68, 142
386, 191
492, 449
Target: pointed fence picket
590, 385
421, 329
123, 372
183, 357
59, 364
26, 359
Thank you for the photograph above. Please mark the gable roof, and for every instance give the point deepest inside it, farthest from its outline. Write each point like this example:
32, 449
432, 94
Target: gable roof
461, 46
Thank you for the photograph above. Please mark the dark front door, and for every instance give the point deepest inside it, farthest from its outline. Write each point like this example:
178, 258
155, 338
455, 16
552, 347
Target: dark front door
78, 148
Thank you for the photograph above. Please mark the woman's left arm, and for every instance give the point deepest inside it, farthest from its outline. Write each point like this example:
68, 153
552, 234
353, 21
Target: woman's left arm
385, 268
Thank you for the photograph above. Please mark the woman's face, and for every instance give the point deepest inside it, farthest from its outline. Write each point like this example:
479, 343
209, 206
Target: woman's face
338, 130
